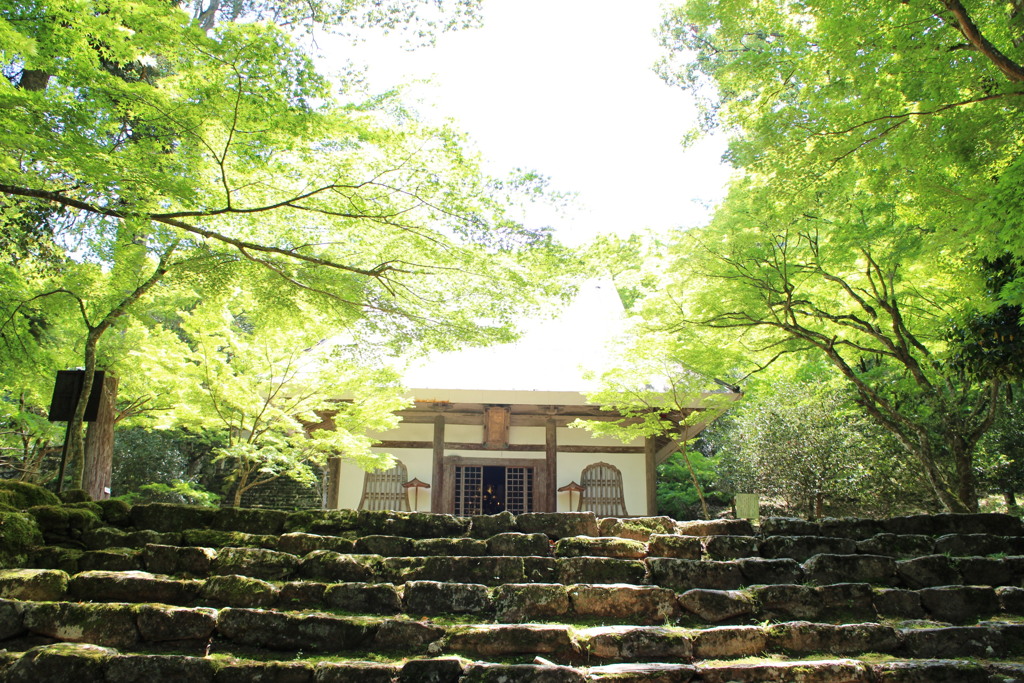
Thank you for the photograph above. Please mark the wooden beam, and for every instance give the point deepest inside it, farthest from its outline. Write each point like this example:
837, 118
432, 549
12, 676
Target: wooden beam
651, 467
437, 490
551, 456
512, 447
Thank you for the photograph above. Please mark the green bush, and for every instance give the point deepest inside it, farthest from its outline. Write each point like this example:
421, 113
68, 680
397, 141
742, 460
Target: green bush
21, 495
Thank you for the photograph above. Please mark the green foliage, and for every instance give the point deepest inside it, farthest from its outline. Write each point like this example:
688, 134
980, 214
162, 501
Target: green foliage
21, 495
677, 496
177, 492
165, 457
808, 450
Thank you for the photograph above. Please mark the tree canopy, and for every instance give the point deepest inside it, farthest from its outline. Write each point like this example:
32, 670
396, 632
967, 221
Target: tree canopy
153, 151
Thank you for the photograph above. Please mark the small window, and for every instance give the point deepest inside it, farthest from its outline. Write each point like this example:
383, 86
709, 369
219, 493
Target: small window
602, 490
383, 490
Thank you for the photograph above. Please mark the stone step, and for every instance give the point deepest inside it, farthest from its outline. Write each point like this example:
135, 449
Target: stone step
520, 602
188, 630
64, 662
670, 572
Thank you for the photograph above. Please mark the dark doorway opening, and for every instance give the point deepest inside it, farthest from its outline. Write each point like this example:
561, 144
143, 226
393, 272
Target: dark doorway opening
493, 490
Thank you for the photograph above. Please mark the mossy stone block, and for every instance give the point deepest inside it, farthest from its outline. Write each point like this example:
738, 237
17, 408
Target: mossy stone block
559, 524
33, 584
60, 662
300, 544
130, 668
56, 557
349, 672
116, 512
439, 597
386, 546
461, 547
306, 632
161, 623
519, 602
19, 533
22, 495
111, 559
175, 560
600, 570
239, 591
485, 526
519, 545
636, 528
673, 545
255, 562
322, 522
249, 520
214, 538
169, 517
100, 624
587, 546
363, 598
132, 586
325, 565
62, 520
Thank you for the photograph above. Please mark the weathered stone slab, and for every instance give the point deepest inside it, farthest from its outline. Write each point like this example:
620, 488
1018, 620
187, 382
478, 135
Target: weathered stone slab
997, 524
959, 604
242, 671
325, 565
558, 524
682, 575
723, 642
450, 547
489, 571
673, 545
301, 544
351, 672
730, 547
159, 623
789, 526
820, 671
930, 570
134, 586
507, 640
954, 641
651, 672
519, 545
410, 524
636, 528
249, 520
715, 527
630, 643
627, 603
716, 605
60, 662
307, 632
53, 557
898, 603
850, 601
985, 571
573, 570
801, 548
1011, 599
900, 546
520, 673
801, 637
11, 619
855, 528
233, 590
436, 670
405, 636
930, 671
111, 559
922, 525
323, 522
135, 668
299, 594
587, 546
978, 544
214, 538
258, 563
787, 601
175, 560
33, 584
540, 569
519, 602
435, 597
760, 570
363, 598
99, 624
385, 546
167, 517
485, 526
878, 569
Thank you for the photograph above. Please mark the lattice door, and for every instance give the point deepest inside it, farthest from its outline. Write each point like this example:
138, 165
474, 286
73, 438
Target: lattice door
519, 489
602, 490
383, 490
469, 481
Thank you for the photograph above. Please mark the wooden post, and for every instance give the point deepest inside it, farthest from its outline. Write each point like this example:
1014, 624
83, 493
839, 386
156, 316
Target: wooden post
437, 492
333, 483
651, 467
99, 444
551, 464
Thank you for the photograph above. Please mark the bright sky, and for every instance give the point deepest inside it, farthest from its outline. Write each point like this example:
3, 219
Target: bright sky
564, 87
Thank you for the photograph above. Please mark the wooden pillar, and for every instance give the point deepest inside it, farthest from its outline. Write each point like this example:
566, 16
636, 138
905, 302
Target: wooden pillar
438, 503
551, 465
651, 467
99, 444
333, 483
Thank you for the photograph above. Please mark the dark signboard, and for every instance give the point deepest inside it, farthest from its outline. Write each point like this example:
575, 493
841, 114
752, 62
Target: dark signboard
66, 392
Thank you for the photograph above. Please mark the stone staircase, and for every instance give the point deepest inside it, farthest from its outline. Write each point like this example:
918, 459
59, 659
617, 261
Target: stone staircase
163, 592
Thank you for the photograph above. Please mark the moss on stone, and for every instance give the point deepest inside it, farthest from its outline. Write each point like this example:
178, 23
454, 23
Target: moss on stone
18, 534
64, 519
74, 496
21, 495
234, 590
115, 511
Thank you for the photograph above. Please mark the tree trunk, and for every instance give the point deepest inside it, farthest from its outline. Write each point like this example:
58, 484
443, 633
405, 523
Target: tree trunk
99, 444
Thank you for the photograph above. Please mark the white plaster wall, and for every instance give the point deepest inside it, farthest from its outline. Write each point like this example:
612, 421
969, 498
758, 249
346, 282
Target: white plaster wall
463, 433
497, 455
634, 477
534, 435
406, 431
419, 464
577, 436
